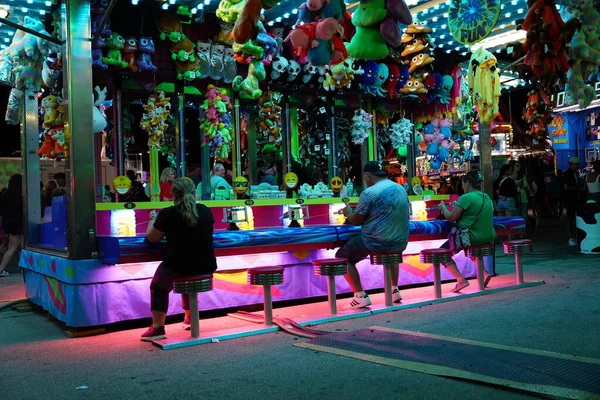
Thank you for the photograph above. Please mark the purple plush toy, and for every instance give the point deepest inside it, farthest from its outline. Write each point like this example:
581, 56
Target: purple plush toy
97, 46
371, 68
145, 51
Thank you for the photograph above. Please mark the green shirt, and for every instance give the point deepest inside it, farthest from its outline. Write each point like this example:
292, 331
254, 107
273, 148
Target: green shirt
482, 229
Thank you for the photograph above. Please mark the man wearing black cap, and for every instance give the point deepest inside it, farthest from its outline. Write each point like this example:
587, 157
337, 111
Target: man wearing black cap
382, 211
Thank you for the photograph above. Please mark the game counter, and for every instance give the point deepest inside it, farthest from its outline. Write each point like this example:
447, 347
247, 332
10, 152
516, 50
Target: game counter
118, 280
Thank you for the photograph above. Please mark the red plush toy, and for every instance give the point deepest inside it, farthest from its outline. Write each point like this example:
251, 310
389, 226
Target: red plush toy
392, 80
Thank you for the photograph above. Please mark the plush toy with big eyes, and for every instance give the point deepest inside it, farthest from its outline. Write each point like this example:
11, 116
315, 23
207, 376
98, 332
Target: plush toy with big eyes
144, 55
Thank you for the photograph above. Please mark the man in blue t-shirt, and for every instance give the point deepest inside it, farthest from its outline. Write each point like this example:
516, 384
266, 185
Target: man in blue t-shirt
382, 211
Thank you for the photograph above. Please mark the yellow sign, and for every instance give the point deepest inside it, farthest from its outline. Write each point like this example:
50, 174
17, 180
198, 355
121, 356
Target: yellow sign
290, 180
336, 184
122, 184
240, 185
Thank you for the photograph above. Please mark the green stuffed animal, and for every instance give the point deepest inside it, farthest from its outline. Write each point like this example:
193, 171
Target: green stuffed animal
367, 43
115, 44
248, 87
229, 10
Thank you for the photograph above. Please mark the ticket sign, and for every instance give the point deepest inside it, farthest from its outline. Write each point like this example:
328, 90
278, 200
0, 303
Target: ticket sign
560, 135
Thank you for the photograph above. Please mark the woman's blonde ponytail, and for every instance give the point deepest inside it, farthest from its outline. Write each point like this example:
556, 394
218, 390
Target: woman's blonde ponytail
184, 192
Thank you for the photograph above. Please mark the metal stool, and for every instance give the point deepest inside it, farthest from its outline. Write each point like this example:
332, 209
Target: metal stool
191, 286
436, 257
266, 276
331, 267
517, 247
387, 260
479, 252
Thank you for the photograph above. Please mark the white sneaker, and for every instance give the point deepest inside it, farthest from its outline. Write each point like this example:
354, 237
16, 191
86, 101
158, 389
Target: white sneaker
360, 302
396, 298
572, 242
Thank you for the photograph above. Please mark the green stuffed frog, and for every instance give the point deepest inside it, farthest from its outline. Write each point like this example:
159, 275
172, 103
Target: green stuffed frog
367, 43
115, 44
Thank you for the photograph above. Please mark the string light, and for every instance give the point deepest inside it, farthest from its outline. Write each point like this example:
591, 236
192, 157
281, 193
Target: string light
295, 11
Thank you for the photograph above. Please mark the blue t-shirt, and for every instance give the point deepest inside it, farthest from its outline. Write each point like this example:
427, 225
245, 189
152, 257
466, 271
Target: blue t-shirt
385, 207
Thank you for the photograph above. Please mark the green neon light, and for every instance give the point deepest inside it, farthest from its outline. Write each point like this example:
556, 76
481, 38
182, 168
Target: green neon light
295, 145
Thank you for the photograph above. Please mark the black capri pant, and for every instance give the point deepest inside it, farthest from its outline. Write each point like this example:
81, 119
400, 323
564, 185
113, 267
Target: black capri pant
161, 286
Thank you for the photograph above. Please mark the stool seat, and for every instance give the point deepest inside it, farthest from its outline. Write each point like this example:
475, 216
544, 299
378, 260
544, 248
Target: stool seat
518, 246
330, 261
331, 266
265, 276
480, 251
193, 284
387, 258
436, 256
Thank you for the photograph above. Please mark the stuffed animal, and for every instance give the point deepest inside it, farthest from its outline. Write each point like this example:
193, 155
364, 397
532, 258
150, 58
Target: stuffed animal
215, 122
204, 59
98, 117
310, 10
230, 66
381, 76
484, 84
169, 26
144, 56
246, 25
224, 35
217, 62
249, 88
229, 11
392, 81
376, 24
156, 112
293, 70
188, 70
48, 146
444, 92
362, 124
51, 117
131, 47
401, 133
340, 75
115, 44
279, 65
97, 47
418, 59
183, 50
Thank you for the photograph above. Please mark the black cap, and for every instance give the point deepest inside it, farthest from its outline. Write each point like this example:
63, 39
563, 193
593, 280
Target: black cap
375, 167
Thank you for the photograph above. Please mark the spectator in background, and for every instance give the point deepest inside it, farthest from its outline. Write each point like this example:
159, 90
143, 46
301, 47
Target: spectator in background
167, 176
61, 180
507, 192
11, 209
553, 193
217, 178
522, 188
195, 173
593, 182
50, 187
443, 187
572, 188
110, 196
137, 192
561, 199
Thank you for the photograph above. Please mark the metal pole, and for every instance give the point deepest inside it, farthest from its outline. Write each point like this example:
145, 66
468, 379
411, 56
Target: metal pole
331, 294
180, 132
98, 144
410, 153
252, 153
194, 320
81, 206
334, 171
30, 31
387, 281
519, 269
154, 175
238, 139
485, 158
480, 277
437, 281
118, 117
205, 161
30, 140
268, 305
287, 138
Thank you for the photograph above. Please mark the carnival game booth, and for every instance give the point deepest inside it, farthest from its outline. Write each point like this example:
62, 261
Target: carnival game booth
293, 121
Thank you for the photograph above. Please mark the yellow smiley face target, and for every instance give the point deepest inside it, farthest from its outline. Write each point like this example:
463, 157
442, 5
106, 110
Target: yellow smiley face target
240, 185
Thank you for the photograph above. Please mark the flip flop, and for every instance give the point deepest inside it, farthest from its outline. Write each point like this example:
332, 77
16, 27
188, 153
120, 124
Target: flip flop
4, 273
487, 280
460, 286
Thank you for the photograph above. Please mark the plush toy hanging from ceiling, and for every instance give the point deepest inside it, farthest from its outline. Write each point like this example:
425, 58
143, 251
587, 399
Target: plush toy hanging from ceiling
438, 141
269, 118
156, 112
585, 54
418, 57
215, 122
547, 37
54, 144
182, 49
537, 115
401, 133
362, 125
484, 84
341, 75
376, 23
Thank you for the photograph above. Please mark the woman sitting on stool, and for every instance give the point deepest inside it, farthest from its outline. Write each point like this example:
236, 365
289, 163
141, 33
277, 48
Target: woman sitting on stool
189, 230
473, 210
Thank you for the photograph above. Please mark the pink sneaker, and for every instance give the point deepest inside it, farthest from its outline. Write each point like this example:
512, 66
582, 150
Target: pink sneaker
153, 334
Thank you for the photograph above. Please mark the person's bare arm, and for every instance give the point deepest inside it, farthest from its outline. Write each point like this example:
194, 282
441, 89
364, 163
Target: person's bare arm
453, 215
354, 218
153, 234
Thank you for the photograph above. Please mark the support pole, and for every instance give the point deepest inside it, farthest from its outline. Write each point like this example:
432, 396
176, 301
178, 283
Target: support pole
118, 127
268, 305
32, 178
286, 138
77, 55
239, 171
252, 152
437, 281
387, 281
154, 175
180, 133
331, 295
480, 277
333, 154
194, 318
205, 161
485, 158
411, 162
519, 267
